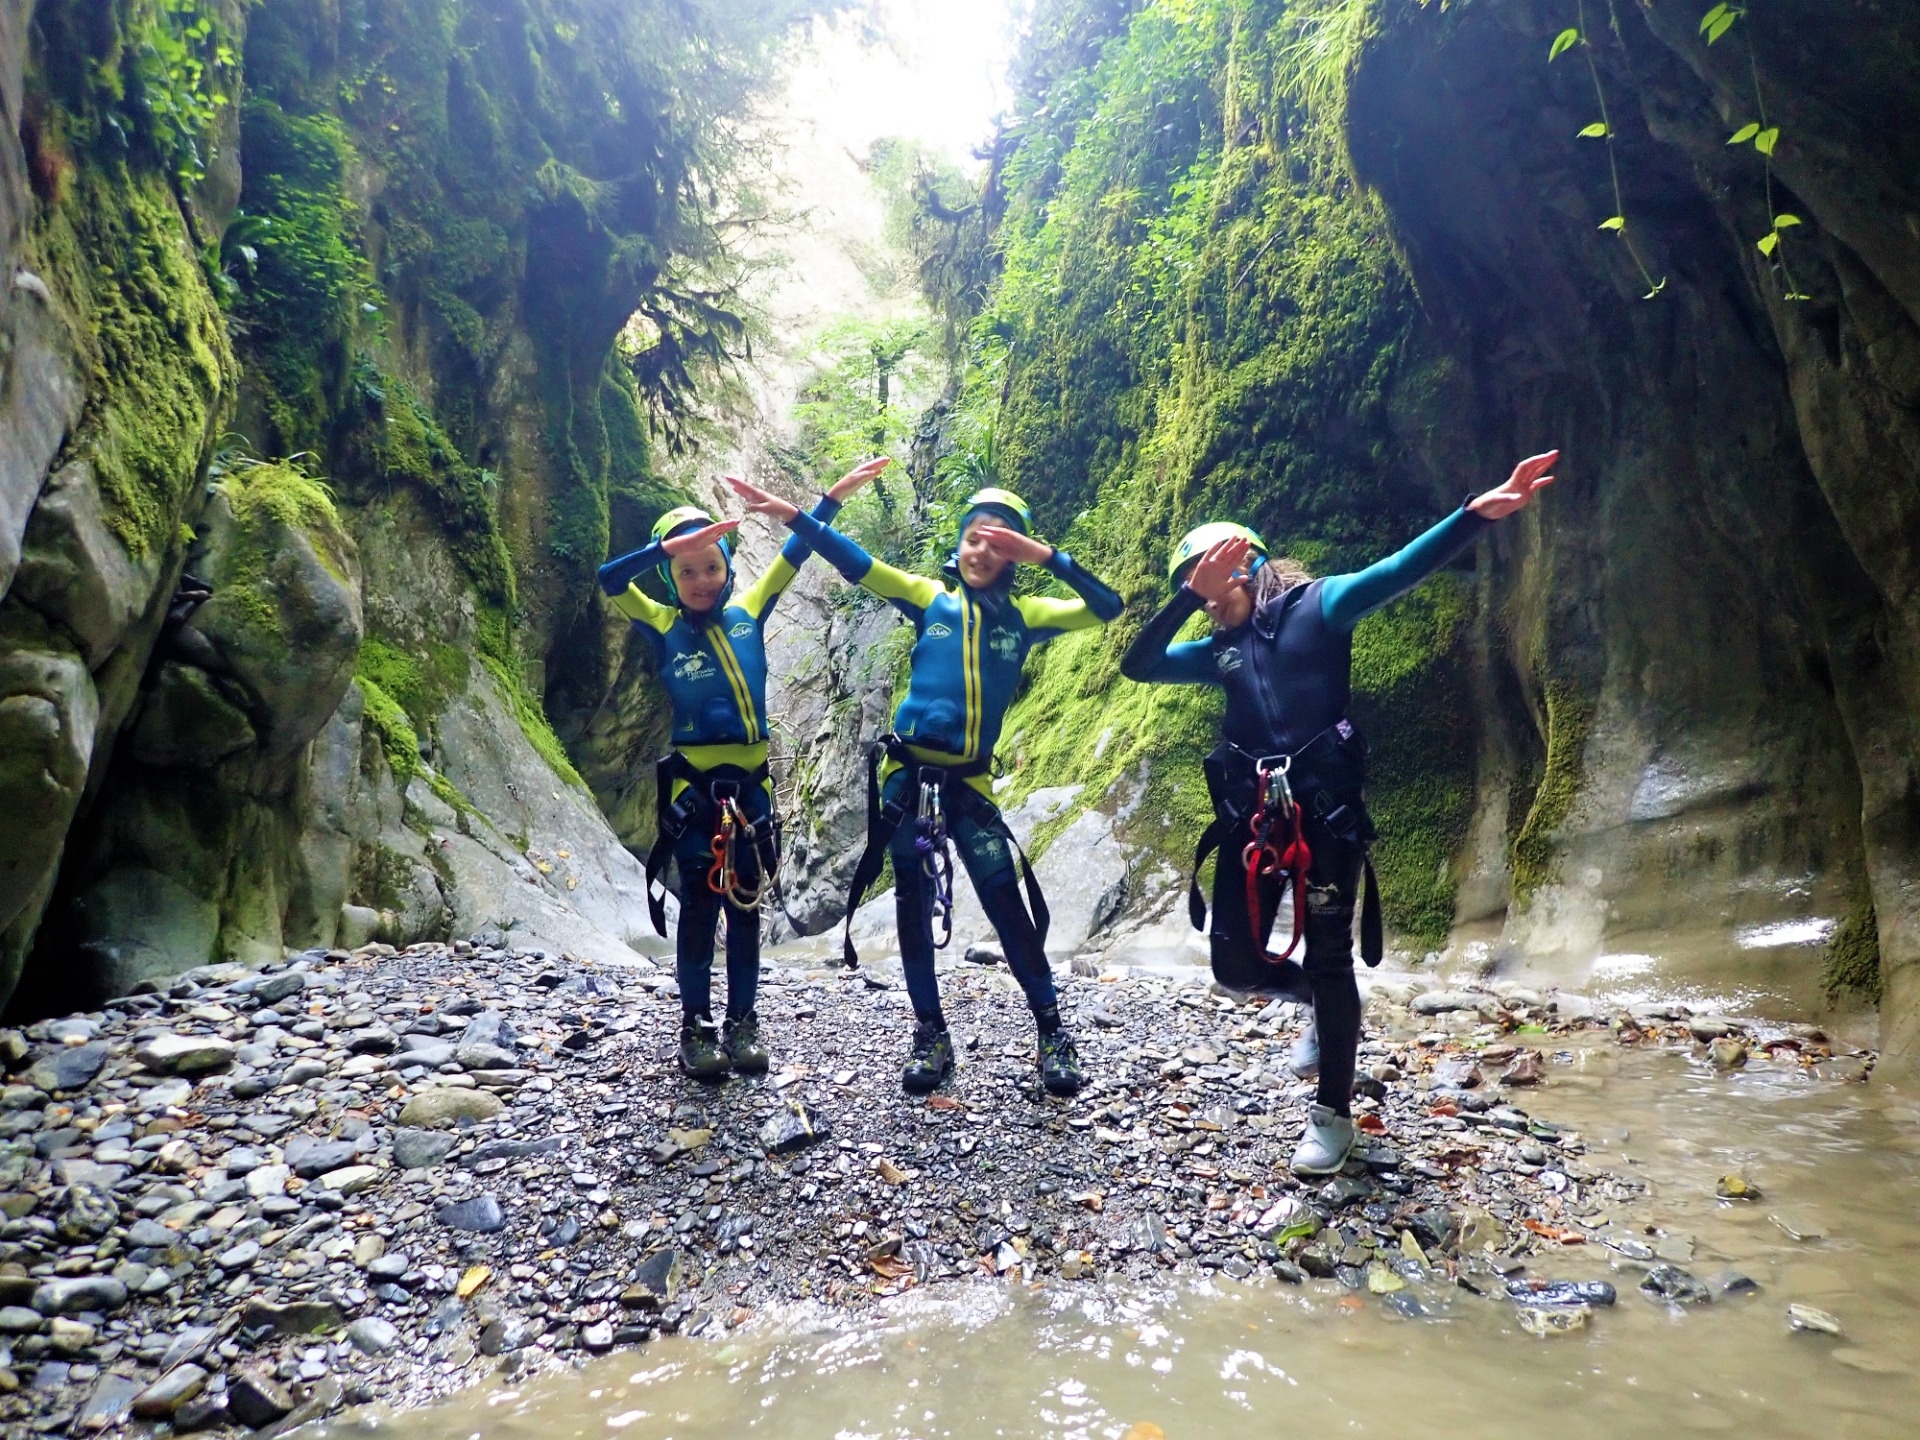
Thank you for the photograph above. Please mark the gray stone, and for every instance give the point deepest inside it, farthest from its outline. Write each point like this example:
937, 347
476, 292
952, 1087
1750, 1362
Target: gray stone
417, 1149
1440, 1002
172, 1390
109, 1404
71, 1067
446, 1105
72, 1296
656, 1284
793, 1129
310, 1158
185, 1054
19, 1320
255, 1398
371, 1335
272, 989
317, 1316
89, 1213
480, 1213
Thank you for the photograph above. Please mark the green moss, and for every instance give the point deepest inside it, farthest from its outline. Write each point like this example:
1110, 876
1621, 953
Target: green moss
531, 717
394, 731
158, 370
300, 291
1569, 725
1853, 956
420, 686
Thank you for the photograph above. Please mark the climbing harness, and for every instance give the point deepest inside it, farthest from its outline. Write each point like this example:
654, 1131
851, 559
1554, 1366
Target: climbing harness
931, 844
732, 829
939, 792
1276, 818
734, 834
1273, 795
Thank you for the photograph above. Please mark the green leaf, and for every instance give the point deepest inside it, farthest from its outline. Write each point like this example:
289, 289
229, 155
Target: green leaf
1781, 222
1618, 222
1563, 42
1766, 243
1745, 133
1720, 27
1594, 131
1766, 140
1712, 15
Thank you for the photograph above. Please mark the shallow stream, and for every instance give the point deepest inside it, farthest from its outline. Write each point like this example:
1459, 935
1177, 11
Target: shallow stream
1837, 1164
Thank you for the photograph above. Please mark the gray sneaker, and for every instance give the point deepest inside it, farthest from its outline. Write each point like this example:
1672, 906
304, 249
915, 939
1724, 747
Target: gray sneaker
1304, 1058
1326, 1145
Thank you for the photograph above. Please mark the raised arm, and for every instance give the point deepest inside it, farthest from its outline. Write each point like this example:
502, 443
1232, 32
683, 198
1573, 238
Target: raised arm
1046, 616
773, 581
1156, 658
1346, 600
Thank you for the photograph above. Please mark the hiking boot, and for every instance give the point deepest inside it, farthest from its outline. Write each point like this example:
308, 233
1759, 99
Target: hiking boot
742, 1041
700, 1052
1327, 1143
932, 1060
1060, 1064
1304, 1058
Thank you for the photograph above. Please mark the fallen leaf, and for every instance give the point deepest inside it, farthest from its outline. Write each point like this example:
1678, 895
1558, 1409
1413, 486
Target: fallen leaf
471, 1282
1092, 1200
943, 1102
1144, 1430
1556, 1232
890, 1172
1372, 1124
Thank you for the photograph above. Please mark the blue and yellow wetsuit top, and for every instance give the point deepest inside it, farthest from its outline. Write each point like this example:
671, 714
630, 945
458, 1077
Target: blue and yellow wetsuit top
970, 644
714, 666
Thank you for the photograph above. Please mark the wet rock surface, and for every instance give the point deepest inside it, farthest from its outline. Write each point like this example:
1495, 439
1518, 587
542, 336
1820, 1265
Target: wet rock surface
294, 1221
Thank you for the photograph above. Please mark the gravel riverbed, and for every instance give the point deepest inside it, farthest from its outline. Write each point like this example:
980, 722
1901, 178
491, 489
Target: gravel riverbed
255, 1198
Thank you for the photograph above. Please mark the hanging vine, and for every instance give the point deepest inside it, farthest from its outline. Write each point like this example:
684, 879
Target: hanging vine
1602, 129
1763, 135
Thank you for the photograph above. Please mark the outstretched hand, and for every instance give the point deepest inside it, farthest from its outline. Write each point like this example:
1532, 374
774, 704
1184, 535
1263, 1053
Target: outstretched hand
1529, 477
1013, 546
860, 474
692, 541
1222, 570
763, 502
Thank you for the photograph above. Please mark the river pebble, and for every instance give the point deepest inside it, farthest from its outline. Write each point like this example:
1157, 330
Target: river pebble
249, 1197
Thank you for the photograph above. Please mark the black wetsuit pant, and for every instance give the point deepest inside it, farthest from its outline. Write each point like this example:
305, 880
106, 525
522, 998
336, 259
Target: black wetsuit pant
700, 909
1239, 946
984, 847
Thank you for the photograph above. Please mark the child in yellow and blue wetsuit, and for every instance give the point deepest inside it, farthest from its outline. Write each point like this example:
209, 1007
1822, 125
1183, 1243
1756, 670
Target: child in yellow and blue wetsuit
716, 816
972, 639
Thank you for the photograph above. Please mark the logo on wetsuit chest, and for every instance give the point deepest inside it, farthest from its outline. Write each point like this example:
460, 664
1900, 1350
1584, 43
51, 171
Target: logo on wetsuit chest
1003, 642
937, 631
695, 666
1227, 661
742, 630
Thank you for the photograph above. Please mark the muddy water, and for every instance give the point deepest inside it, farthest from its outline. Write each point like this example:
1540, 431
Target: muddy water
1838, 1164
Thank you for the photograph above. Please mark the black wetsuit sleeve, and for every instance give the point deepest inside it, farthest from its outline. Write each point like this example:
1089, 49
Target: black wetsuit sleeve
1155, 658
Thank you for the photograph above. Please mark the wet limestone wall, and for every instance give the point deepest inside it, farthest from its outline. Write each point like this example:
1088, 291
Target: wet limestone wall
1700, 651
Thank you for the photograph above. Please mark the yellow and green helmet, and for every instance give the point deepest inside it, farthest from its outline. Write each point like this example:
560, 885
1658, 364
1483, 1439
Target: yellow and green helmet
1203, 538
1003, 503
690, 517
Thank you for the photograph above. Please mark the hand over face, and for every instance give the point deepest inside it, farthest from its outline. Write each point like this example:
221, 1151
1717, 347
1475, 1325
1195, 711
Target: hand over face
763, 502
688, 541
866, 470
1529, 477
1012, 546
1222, 570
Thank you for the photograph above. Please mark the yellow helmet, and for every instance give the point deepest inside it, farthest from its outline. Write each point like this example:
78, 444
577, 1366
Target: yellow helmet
1004, 503
1203, 538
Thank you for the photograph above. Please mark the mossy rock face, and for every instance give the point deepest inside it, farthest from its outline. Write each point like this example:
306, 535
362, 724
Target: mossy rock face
48, 712
285, 614
187, 721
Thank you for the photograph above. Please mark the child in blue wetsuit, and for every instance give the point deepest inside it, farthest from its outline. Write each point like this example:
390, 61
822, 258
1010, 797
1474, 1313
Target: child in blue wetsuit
972, 638
1287, 774
716, 815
